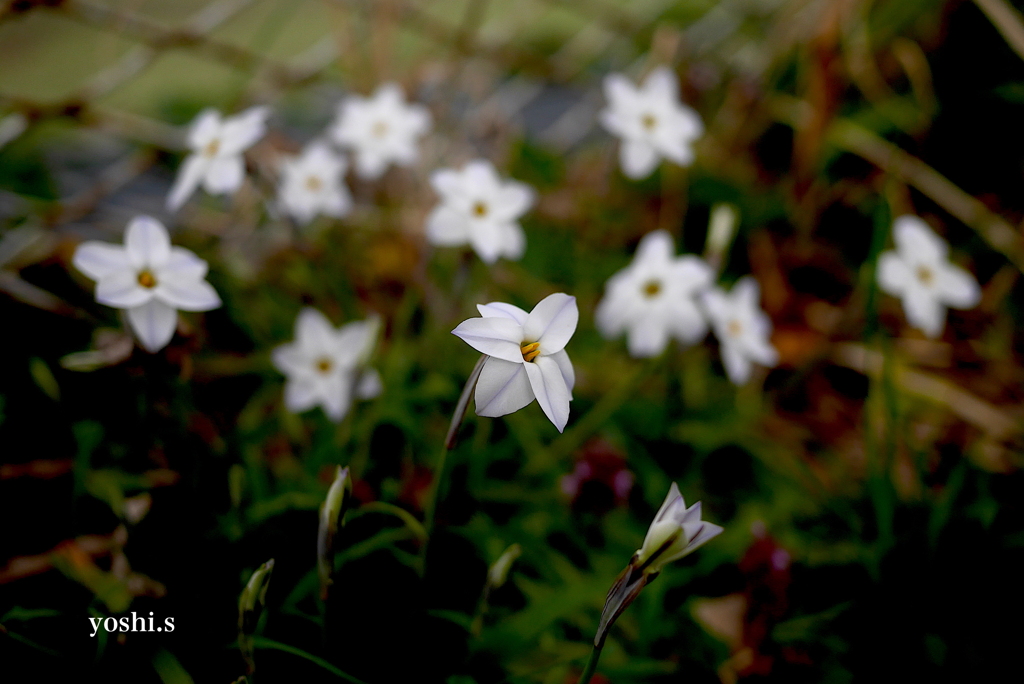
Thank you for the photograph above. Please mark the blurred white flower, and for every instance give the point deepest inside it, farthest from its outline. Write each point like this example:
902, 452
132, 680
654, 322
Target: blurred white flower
380, 129
919, 272
655, 298
676, 532
149, 278
479, 209
327, 367
312, 184
216, 160
11, 127
526, 356
741, 327
651, 121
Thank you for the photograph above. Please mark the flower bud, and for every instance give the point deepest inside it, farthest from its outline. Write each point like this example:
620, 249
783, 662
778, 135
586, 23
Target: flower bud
332, 518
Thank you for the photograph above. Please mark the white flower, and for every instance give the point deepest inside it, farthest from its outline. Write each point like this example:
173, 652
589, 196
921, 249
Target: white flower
651, 121
526, 356
655, 298
149, 278
380, 129
216, 159
327, 367
478, 209
919, 272
741, 327
312, 184
676, 532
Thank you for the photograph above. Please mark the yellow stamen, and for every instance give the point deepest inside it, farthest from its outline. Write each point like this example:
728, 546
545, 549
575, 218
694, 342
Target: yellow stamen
648, 121
147, 280
480, 209
379, 129
530, 351
212, 148
734, 328
925, 275
652, 288
314, 183
324, 365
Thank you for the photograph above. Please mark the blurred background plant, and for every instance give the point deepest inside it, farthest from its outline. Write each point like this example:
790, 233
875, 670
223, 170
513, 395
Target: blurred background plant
869, 485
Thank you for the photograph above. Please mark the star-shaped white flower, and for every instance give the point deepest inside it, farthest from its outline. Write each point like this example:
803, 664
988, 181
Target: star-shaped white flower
479, 209
380, 130
742, 328
526, 356
919, 272
655, 298
327, 367
312, 184
216, 160
651, 121
149, 278
677, 531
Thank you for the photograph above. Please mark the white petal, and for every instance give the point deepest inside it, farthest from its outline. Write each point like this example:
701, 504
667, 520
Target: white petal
370, 164
187, 295
552, 322
336, 202
301, 393
147, 243
99, 259
686, 321
662, 84
655, 249
737, 366
203, 129
336, 397
691, 514
647, 337
893, 274
224, 175
513, 200
241, 131
670, 503
924, 311
447, 227
370, 384
757, 347
638, 158
487, 239
190, 174
154, 323
503, 388
355, 342
568, 372
618, 304
550, 388
314, 333
447, 183
619, 90
417, 120
746, 293
957, 287
502, 310
289, 359
513, 241
917, 242
121, 290
499, 337
183, 264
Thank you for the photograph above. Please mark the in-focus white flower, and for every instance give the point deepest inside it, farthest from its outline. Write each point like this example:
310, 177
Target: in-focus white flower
651, 121
312, 184
655, 298
526, 356
676, 531
216, 159
919, 272
741, 327
149, 278
327, 367
479, 209
380, 130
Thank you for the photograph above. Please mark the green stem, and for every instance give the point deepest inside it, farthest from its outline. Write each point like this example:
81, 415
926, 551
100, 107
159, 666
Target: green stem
591, 667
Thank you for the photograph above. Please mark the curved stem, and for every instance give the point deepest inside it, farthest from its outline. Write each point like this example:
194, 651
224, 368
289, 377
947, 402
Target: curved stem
591, 667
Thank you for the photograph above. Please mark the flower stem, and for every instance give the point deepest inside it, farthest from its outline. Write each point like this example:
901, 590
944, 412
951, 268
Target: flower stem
591, 667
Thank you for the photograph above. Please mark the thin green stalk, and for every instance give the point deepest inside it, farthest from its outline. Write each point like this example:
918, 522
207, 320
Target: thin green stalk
591, 667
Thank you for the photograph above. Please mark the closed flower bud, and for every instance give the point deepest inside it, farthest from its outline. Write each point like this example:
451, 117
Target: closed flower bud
332, 518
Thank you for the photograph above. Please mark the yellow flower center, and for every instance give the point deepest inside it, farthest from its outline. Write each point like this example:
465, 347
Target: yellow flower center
648, 121
480, 209
314, 184
147, 280
925, 275
379, 129
530, 351
734, 329
652, 288
212, 148
324, 365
